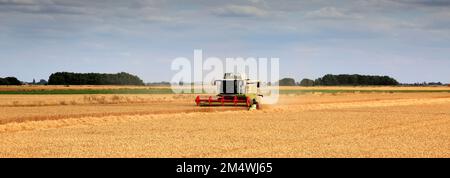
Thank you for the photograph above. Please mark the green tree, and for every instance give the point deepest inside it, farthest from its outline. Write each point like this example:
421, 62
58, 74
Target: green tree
10, 81
307, 82
69, 78
287, 82
355, 79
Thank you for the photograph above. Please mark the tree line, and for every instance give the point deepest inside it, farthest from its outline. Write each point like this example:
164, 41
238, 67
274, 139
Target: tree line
355, 79
10, 81
70, 78
342, 79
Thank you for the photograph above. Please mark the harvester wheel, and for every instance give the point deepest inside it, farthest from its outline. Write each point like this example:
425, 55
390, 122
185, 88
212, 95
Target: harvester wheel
256, 103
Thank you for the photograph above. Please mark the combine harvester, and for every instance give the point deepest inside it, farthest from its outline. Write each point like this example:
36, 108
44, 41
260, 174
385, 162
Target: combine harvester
234, 90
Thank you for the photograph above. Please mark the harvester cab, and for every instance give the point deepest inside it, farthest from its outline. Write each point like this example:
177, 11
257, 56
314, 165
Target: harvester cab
234, 90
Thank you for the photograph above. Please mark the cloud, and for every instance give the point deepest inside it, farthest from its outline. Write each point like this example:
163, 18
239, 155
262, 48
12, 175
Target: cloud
20, 2
164, 29
239, 11
41, 7
24, 2
331, 13
158, 18
440, 23
431, 3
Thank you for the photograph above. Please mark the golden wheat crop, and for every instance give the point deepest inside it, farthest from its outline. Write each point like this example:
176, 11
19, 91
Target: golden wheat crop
72, 87
300, 125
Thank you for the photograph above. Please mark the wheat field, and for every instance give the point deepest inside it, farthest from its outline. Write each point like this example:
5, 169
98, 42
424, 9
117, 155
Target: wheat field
170, 125
71, 87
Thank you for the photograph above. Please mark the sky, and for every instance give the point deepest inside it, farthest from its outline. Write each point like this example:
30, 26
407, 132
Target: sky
406, 39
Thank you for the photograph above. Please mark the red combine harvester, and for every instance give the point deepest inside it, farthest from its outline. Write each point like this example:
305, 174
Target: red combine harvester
233, 91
